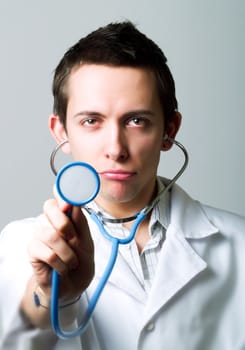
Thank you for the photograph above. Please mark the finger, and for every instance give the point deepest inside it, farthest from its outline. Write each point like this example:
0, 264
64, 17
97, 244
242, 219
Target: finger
59, 220
48, 236
43, 259
79, 220
81, 227
63, 205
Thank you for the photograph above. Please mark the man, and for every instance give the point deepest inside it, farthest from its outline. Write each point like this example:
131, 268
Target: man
179, 284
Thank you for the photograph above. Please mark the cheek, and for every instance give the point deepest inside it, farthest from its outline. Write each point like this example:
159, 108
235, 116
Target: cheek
148, 146
147, 152
79, 146
79, 150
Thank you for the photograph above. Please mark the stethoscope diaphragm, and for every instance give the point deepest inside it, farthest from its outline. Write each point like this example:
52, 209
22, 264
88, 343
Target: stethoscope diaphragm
77, 183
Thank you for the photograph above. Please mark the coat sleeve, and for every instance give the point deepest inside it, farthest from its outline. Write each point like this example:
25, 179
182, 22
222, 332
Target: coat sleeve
15, 271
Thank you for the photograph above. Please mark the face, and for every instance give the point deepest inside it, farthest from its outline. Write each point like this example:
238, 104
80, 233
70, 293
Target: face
115, 123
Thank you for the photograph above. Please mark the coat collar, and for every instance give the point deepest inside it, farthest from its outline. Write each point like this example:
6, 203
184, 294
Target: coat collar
188, 215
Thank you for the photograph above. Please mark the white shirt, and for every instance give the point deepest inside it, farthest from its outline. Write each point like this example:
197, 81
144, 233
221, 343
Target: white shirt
195, 302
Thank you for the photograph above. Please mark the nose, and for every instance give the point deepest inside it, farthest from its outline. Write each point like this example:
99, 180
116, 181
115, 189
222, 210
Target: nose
116, 144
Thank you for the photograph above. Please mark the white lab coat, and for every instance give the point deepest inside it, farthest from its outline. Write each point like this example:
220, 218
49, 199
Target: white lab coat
196, 301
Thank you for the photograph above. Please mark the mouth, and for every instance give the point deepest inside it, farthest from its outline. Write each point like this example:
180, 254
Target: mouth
118, 175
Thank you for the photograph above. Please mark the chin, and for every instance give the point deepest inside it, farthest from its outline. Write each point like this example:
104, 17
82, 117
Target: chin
117, 197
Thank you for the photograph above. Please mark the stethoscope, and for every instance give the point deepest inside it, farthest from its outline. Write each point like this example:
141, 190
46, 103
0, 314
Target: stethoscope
78, 183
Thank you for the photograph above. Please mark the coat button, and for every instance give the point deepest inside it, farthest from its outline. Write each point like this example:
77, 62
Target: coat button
150, 326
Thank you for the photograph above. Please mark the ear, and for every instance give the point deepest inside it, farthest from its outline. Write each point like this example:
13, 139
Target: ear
57, 130
171, 129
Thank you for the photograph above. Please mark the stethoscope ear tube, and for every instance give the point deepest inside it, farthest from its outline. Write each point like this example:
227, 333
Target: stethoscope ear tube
54, 311
168, 186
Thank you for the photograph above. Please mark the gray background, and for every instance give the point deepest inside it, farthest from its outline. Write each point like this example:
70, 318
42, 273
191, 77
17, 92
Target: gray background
204, 42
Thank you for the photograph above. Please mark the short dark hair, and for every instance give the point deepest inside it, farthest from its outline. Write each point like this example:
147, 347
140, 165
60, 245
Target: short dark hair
116, 44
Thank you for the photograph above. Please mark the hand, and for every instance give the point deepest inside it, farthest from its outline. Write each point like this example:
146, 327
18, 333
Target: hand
64, 245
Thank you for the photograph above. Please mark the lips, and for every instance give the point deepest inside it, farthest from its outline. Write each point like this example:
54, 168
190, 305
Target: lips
119, 175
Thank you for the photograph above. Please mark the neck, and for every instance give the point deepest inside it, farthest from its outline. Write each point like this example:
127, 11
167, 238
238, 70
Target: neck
119, 210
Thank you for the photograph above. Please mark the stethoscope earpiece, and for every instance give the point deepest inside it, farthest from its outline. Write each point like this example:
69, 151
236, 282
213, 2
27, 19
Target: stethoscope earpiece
165, 142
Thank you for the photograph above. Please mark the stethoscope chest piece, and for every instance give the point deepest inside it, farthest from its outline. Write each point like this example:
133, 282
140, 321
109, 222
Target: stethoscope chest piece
77, 183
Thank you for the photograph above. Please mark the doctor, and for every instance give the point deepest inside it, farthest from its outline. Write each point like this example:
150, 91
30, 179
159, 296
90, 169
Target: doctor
180, 283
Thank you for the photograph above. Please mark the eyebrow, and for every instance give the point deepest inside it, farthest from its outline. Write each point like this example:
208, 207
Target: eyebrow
144, 112
135, 112
88, 113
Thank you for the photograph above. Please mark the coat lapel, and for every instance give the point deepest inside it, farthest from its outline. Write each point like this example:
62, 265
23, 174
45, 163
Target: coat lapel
177, 266
179, 263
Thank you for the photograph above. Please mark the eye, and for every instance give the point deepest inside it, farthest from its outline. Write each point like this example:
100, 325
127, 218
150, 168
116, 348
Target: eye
89, 122
138, 121
135, 121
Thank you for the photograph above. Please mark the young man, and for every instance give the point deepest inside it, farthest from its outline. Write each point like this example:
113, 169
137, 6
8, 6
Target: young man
179, 284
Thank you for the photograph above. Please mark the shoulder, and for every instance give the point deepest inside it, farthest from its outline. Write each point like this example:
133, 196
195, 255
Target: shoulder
20, 230
193, 215
226, 221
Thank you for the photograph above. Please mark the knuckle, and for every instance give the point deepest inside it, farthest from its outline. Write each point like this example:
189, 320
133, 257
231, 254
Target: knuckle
64, 225
53, 238
54, 262
51, 259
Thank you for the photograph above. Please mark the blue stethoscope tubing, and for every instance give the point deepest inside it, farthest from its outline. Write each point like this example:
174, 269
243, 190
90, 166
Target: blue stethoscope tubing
139, 217
95, 297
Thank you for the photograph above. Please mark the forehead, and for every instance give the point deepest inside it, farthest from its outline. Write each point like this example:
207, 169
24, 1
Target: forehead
100, 75
102, 81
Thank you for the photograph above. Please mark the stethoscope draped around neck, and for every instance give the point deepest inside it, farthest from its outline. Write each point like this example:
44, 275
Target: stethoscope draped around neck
78, 183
